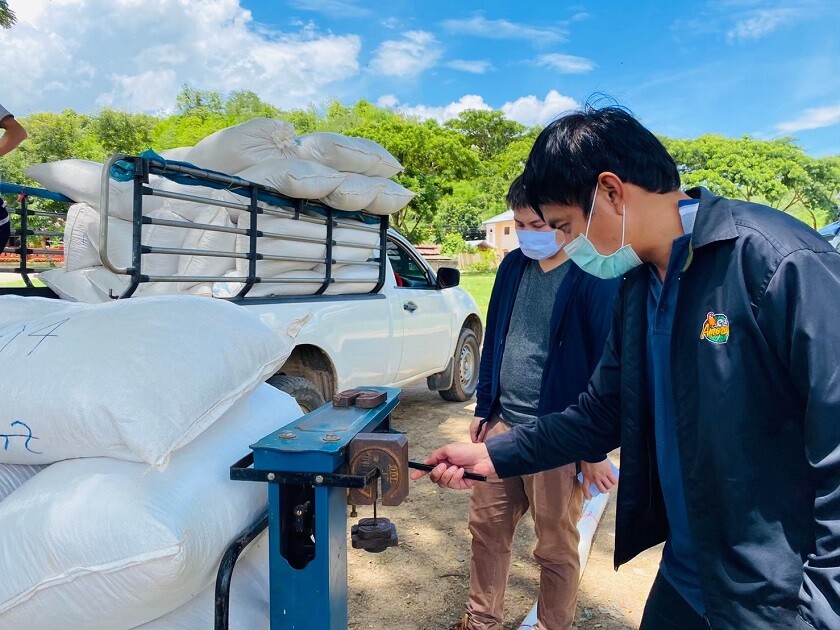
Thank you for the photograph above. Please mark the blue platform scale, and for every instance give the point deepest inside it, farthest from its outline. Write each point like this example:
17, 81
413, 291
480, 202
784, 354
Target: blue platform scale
304, 464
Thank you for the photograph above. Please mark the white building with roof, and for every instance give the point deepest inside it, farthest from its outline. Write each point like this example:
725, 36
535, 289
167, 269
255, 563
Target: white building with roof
501, 233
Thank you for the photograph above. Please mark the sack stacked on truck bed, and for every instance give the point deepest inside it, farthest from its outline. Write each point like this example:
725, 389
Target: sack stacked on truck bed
345, 173
99, 538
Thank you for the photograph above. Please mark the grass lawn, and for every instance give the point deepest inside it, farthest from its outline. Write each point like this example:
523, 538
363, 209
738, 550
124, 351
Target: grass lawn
479, 285
19, 283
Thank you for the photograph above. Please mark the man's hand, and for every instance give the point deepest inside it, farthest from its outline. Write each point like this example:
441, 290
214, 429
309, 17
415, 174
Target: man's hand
476, 435
601, 474
452, 460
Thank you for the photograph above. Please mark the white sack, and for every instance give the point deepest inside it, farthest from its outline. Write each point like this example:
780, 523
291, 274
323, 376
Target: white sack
229, 289
74, 286
12, 477
81, 181
81, 241
105, 544
349, 154
299, 179
279, 246
80, 251
367, 276
249, 597
189, 210
234, 149
355, 193
391, 198
208, 240
131, 379
109, 284
15, 309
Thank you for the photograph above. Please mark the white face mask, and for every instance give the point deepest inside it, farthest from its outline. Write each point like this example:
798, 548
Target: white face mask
538, 245
583, 253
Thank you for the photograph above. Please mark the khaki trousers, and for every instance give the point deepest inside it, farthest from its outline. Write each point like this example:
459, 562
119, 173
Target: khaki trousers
555, 499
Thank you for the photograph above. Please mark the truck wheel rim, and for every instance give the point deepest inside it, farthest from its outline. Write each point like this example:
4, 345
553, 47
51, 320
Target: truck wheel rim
466, 366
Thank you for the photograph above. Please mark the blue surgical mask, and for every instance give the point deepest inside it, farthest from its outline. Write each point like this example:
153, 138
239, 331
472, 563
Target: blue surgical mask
538, 245
583, 253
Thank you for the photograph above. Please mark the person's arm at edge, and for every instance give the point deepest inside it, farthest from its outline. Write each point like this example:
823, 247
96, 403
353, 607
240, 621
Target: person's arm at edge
799, 315
13, 134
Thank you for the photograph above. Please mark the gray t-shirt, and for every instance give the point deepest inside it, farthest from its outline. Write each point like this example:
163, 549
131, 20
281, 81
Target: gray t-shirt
4, 112
526, 344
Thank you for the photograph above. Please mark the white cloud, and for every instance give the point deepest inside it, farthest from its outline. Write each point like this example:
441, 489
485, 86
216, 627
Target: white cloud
125, 54
332, 8
813, 118
567, 64
480, 26
478, 66
387, 100
390, 22
445, 112
759, 23
529, 110
145, 91
408, 57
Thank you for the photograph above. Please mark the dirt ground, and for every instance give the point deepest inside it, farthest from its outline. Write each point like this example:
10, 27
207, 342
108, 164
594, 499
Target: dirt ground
423, 583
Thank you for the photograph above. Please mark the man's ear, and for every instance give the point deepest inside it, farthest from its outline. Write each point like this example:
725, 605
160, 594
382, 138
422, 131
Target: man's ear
614, 190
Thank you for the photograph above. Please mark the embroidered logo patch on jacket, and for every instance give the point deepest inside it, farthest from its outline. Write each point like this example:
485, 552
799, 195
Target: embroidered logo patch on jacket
715, 328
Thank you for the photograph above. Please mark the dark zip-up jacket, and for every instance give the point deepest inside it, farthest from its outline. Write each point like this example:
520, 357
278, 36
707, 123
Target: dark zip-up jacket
758, 418
580, 323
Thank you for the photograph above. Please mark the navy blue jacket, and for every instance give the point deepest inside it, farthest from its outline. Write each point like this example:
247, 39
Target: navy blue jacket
580, 324
755, 365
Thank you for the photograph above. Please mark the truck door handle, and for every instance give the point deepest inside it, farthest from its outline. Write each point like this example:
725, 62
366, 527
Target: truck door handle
410, 307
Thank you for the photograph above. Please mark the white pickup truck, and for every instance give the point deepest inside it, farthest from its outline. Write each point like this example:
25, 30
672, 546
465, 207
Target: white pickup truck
415, 324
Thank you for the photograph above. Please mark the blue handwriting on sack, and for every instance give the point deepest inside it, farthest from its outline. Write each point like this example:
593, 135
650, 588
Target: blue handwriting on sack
28, 437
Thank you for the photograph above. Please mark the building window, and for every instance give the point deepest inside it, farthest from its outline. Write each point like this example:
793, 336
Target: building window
507, 231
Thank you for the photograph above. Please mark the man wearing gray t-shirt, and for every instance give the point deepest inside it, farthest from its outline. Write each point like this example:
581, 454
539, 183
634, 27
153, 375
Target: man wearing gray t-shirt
546, 327
13, 135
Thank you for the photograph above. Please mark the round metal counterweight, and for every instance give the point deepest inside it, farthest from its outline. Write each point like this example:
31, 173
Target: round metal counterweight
374, 535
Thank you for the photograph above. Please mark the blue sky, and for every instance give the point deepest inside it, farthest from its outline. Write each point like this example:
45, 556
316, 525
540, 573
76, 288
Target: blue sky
733, 67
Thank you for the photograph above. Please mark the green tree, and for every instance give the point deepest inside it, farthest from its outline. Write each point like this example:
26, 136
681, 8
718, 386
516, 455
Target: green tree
7, 16
452, 245
198, 102
775, 172
244, 105
122, 132
488, 132
60, 136
303, 120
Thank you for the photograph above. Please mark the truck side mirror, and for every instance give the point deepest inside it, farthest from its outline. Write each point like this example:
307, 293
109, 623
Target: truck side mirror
448, 277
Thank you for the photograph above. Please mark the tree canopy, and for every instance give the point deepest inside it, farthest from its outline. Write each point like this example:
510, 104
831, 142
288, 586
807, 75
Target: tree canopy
7, 16
460, 170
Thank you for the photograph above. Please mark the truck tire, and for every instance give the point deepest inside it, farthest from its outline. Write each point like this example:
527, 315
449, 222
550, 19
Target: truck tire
299, 388
465, 363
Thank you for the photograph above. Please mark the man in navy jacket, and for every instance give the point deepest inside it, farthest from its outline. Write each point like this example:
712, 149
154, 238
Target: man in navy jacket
546, 328
720, 381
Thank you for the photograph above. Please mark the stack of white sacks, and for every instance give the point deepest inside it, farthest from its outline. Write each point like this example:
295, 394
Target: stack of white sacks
117, 430
345, 173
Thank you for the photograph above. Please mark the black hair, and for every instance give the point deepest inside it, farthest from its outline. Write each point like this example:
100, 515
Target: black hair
516, 197
572, 151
